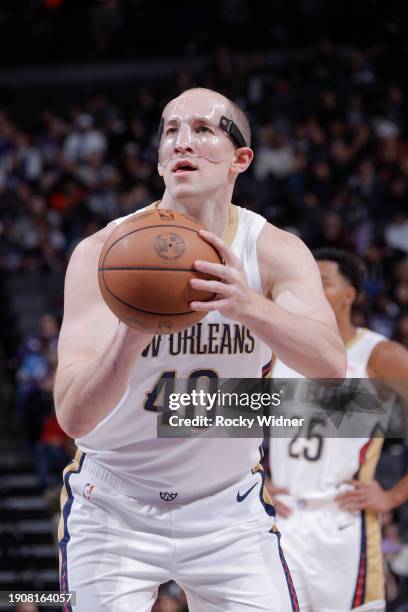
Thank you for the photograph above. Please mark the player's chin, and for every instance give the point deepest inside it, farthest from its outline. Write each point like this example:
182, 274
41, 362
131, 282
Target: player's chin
185, 190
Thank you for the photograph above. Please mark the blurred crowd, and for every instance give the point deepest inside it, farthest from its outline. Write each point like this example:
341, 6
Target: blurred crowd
331, 165
126, 30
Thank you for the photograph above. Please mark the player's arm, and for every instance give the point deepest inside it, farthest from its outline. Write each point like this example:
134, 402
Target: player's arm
96, 352
371, 496
389, 362
298, 324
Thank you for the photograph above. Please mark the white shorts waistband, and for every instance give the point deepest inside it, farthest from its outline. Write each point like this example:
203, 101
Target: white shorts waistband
309, 502
141, 491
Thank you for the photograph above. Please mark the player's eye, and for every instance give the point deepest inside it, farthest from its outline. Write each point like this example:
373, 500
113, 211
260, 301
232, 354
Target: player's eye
170, 130
204, 129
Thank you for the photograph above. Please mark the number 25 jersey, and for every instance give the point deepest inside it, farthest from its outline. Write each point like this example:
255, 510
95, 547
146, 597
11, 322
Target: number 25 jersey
314, 462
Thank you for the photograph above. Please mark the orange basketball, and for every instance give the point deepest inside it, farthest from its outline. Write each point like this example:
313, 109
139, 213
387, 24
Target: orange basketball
145, 267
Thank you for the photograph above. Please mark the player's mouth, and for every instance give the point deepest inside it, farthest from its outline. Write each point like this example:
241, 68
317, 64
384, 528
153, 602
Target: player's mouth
184, 167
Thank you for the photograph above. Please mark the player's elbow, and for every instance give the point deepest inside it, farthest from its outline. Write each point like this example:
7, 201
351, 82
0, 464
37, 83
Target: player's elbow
67, 423
336, 370
67, 416
71, 425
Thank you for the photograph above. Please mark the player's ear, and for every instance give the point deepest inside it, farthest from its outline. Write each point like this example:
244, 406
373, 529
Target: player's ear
242, 159
351, 295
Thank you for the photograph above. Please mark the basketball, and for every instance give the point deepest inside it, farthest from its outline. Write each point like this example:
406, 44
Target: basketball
145, 267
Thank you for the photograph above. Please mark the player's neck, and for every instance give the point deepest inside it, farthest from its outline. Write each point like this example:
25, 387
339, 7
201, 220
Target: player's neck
347, 329
213, 214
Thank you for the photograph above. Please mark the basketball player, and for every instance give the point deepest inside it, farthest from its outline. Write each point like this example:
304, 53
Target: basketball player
333, 550
138, 510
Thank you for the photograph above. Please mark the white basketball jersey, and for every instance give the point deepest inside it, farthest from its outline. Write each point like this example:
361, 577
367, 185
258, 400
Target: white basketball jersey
126, 442
312, 462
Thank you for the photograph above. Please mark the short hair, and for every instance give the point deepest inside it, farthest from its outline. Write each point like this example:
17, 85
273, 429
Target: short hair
237, 114
350, 266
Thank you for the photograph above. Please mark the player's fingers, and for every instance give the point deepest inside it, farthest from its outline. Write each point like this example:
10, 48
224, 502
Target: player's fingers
346, 504
362, 498
354, 501
361, 489
348, 496
343, 503
356, 483
277, 490
212, 286
282, 509
226, 273
224, 250
354, 507
344, 495
209, 306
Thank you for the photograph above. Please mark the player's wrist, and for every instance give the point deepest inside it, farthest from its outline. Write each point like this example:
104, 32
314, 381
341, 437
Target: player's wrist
251, 311
392, 500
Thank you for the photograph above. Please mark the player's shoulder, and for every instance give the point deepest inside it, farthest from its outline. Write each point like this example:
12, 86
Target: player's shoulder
94, 242
388, 359
283, 256
386, 349
86, 253
89, 249
280, 244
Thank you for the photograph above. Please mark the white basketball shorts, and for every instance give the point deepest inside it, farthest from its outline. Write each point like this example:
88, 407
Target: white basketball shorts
334, 558
116, 547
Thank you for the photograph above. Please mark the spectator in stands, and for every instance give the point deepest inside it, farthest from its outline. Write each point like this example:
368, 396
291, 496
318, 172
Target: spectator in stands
396, 232
84, 141
274, 156
401, 332
37, 358
53, 449
53, 452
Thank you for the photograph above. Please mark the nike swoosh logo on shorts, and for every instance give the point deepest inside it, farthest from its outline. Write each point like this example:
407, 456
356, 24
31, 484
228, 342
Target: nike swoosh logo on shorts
341, 527
241, 498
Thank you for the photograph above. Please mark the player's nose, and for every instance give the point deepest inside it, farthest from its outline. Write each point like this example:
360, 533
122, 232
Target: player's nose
184, 140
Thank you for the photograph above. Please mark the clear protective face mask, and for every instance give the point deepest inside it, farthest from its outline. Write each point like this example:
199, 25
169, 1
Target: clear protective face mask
195, 134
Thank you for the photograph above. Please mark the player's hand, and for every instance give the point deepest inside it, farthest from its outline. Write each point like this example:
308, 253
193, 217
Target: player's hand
234, 297
365, 496
281, 508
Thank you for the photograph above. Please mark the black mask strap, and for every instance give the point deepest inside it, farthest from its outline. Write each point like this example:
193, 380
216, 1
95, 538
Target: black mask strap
233, 131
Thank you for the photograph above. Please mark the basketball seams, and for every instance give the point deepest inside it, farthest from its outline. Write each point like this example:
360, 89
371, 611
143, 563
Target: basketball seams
152, 312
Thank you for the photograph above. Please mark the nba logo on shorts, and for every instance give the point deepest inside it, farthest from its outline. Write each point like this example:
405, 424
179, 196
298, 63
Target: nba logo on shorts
87, 491
166, 496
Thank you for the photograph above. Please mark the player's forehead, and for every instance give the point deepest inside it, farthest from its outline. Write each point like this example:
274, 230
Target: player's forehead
330, 270
196, 105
